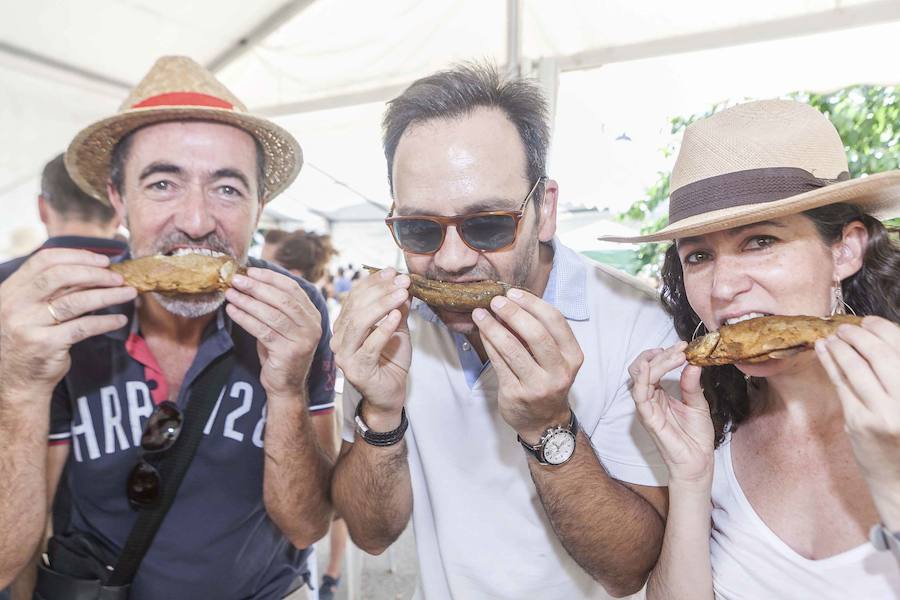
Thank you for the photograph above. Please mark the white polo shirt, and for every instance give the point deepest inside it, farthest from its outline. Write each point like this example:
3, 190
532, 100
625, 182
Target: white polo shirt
481, 531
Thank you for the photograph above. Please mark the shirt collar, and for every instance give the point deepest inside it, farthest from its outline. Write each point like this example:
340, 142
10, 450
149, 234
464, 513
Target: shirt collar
566, 286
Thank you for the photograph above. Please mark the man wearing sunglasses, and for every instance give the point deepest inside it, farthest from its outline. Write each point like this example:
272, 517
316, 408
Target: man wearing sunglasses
438, 397
112, 378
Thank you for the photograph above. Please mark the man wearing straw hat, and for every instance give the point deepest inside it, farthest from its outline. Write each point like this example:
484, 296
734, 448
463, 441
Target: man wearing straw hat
87, 363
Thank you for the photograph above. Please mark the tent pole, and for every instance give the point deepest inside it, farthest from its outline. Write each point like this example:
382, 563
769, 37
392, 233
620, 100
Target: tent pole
279, 17
513, 37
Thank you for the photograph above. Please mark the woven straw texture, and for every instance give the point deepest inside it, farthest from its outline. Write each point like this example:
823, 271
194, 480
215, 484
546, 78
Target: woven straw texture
88, 156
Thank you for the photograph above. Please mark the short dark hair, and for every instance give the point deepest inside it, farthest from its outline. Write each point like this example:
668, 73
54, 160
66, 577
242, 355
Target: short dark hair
306, 252
67, 199
460, 90
123, 146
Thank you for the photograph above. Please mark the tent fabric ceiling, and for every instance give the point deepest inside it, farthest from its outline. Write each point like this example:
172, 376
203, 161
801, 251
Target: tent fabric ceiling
330, 48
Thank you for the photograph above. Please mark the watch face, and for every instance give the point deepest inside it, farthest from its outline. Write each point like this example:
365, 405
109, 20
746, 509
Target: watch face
559, 447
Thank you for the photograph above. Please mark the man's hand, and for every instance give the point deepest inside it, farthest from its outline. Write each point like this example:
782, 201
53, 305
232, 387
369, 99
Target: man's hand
44, 310
372, 346
536, 357
275, 310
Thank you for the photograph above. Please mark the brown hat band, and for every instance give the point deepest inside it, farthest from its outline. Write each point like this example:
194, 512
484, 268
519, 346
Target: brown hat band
753, 186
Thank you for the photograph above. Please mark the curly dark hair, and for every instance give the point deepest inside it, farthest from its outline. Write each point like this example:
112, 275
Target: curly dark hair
873, 290
306, 252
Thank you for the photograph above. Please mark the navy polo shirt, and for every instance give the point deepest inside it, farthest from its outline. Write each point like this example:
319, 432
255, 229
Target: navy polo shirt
98, 245
217, 540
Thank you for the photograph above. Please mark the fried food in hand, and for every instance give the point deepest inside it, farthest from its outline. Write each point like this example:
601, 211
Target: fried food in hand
762, 338
185, 274
454, 297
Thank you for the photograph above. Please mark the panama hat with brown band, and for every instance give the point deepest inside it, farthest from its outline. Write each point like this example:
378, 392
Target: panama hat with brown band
759, 161
179, 89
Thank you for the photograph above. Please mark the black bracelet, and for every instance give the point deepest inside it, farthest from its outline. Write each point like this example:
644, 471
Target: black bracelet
388, 438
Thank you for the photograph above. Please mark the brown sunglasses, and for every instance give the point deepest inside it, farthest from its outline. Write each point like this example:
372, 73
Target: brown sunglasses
481, 231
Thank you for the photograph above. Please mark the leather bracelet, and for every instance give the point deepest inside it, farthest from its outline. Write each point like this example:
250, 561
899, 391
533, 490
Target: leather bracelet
382, 439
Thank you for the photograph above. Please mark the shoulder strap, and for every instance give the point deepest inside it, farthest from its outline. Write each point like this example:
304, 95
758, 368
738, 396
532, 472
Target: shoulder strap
172, 468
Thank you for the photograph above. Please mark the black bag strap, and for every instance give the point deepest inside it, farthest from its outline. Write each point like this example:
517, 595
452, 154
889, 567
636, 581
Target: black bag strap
172, 468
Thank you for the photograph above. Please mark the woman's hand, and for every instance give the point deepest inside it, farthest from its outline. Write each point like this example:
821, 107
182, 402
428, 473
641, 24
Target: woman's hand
863, 363
681, 429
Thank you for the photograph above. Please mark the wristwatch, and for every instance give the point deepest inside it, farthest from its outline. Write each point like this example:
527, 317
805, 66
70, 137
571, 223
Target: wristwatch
388, 438
884, 539
556, 446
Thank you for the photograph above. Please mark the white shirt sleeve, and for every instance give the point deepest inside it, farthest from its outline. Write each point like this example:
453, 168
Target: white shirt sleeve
351, 398
620, 441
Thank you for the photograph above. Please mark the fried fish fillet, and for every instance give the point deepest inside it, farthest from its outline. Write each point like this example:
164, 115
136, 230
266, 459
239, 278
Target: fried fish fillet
454, 297
760, 339
185, 274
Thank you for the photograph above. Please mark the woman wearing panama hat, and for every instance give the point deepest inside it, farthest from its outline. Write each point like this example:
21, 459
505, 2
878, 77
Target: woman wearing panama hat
785, 474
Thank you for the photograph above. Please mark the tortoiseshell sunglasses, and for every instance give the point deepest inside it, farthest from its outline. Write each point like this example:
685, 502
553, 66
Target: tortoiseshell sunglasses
481, 231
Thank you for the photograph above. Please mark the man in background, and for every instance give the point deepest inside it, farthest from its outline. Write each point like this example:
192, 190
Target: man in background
72, 218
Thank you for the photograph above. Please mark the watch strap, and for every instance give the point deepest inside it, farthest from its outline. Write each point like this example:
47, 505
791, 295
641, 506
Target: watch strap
376, 438
537, 451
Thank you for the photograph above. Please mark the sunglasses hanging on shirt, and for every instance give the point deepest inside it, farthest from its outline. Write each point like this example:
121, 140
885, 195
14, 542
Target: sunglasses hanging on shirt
160, 434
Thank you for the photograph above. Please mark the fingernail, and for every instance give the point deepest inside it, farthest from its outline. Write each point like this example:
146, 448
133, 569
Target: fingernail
386, 273
515, 293
230, 294
240, 280
399, 294
401, 280
498, 302
479, 314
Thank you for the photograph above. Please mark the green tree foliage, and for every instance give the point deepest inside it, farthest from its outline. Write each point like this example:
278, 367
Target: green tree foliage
866, 117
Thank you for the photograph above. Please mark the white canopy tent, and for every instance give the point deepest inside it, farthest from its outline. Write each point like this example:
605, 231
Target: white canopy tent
615, 70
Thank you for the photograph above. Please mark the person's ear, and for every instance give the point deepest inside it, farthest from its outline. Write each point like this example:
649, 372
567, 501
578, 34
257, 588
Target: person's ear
43, 209
117, 202
547, 211
849, 252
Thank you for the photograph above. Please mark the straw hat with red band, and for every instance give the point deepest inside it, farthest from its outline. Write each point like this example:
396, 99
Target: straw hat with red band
759, 161
179, 89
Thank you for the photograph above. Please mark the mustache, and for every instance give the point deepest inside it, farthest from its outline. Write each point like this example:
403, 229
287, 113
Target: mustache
473, 273
175, 239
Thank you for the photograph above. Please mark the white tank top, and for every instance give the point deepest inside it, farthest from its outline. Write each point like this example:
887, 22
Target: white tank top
750, 562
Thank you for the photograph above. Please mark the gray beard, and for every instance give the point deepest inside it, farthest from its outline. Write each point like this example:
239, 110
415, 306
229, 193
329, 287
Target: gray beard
190, 306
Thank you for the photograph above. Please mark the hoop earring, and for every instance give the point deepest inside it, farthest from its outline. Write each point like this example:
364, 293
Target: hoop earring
838, 305
696, 329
